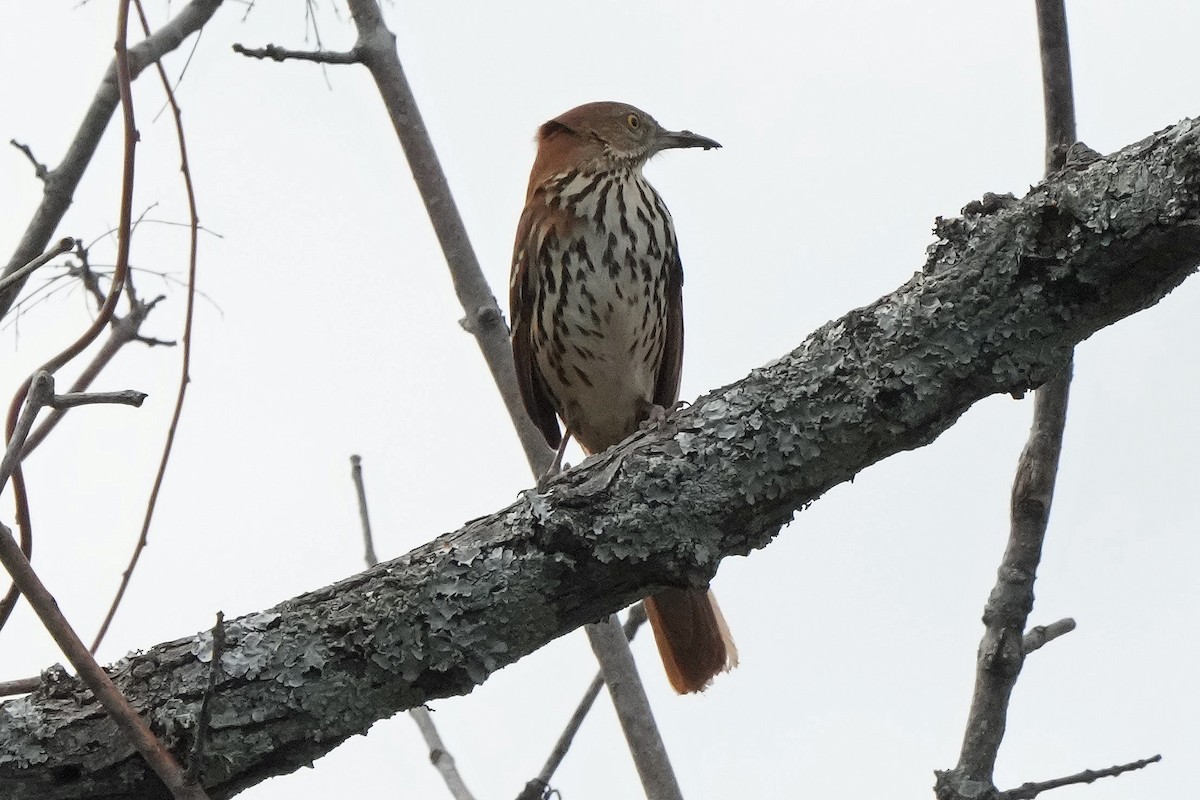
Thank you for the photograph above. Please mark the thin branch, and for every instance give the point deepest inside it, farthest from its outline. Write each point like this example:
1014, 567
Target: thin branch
122, 331
276, 53
361, 492
1002, 650
439, 756
539, 786
484, 319
64, 179
1040, 636
1027, 791
191, 775
633, 709
19, 275
186, 359
127, 397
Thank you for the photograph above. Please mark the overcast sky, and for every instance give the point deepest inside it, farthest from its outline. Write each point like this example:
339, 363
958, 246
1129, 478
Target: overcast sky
331, 329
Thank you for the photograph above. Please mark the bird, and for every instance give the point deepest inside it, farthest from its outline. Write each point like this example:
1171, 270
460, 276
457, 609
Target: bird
596, 308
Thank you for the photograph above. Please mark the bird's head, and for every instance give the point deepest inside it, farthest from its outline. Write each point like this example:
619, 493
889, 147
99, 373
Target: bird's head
606, 134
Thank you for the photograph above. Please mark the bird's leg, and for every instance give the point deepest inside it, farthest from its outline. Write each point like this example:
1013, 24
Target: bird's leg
656, 418
556, 464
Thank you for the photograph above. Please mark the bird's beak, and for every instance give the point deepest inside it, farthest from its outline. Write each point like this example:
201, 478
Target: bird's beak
673, 139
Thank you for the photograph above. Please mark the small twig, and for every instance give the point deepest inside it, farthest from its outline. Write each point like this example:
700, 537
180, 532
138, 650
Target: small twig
39, 169
126, 397
122, 331
1042, 635
364, 518
276, 53
1027, 791
439, 756
538, 787
196, 756
19, 275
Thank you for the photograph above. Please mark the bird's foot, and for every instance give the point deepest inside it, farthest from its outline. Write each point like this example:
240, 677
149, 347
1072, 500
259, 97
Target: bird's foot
655, 420
555, 469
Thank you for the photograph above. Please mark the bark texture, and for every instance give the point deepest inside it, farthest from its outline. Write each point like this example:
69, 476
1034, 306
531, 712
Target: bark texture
1007, 291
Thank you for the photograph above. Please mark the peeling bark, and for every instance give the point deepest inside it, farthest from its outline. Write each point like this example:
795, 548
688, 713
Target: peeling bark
1007, 291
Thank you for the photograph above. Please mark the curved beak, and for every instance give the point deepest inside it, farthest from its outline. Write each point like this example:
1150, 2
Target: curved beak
674, 139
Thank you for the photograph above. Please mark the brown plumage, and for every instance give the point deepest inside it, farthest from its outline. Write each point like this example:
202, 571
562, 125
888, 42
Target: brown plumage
597, 321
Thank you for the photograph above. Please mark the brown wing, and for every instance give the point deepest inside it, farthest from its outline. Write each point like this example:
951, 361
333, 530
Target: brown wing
522, 298
666, 388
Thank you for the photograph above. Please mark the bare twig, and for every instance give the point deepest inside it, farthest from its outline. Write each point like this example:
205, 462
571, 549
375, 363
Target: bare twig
63, 179
439, 756
126, 397
39, 169
19, 275
276, 53
1027, 791
1002, 650
633, 709
363, 516
1042, 635
196, 757
539, 786
186, 360
122, 331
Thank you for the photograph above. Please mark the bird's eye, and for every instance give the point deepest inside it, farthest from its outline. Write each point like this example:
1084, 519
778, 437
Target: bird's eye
633, 120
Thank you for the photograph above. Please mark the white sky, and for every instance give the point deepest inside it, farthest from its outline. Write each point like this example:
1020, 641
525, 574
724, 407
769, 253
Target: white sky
847, 128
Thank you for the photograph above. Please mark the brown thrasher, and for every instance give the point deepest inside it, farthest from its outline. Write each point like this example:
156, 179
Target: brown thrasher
597, 321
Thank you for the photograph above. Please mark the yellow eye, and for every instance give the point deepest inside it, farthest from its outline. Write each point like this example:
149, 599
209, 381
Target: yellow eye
633, 120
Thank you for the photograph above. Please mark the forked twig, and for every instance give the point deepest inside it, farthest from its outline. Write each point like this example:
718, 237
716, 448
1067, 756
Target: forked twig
39, 385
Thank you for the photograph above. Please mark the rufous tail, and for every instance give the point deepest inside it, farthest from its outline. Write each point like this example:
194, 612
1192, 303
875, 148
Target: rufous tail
692, 637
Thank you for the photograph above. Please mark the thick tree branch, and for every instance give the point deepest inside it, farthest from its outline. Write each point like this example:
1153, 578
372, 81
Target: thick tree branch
1006, 293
